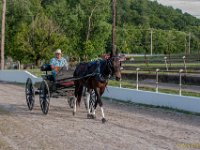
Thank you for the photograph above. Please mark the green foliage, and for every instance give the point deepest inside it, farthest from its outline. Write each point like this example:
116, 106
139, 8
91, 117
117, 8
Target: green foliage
38, 40
82, 29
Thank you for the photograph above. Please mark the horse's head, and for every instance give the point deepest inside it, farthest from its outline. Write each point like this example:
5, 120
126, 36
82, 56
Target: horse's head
115, 66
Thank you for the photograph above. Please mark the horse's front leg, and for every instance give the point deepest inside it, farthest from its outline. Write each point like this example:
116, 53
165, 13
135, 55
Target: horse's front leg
102, 111
101, 105
99, 92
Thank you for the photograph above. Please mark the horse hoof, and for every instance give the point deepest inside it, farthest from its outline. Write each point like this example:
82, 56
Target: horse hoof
74, 113
88, 116
93, 117
103, 120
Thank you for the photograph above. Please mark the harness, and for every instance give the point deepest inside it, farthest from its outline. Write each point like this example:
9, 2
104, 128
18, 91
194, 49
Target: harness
110, 66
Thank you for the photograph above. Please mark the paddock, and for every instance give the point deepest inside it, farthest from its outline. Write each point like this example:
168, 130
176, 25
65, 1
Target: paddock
129, 126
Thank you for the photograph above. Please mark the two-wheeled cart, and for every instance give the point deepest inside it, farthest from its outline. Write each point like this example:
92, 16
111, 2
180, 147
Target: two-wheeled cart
63, 86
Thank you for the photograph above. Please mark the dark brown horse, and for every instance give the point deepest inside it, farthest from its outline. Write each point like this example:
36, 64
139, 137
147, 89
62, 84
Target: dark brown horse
109, 67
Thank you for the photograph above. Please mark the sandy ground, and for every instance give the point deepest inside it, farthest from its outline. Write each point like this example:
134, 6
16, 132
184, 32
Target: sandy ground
129, 127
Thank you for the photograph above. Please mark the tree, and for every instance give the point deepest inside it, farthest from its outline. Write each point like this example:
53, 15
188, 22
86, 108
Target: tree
38, 40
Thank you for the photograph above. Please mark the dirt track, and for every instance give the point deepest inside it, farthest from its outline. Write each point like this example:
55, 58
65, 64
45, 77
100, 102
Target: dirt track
129, 127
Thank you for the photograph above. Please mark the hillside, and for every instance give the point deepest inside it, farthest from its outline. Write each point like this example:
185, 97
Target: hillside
170, 27
34, 28
154, 15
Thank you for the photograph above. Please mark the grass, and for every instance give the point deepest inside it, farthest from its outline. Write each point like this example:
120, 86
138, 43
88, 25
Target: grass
153, 66
149, 72
162, 64
37, 72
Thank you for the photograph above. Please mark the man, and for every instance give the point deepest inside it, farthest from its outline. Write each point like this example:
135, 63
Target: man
57, 63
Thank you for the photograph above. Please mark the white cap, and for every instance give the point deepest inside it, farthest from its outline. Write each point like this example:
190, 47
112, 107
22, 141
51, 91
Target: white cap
58, 51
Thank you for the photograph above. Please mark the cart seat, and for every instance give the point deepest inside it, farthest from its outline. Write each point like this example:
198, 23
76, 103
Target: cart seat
46, 67
67, 84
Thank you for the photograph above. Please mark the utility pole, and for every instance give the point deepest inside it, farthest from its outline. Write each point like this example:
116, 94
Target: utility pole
151, 42
189, 43
114, 27
3, 33
185, 44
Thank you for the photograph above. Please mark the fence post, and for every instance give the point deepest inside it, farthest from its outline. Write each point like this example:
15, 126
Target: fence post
184, 64
180, 81
120, 83
18, 65
165, 58
157, 70
137, 71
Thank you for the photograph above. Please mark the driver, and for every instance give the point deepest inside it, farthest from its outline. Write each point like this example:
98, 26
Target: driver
57, 63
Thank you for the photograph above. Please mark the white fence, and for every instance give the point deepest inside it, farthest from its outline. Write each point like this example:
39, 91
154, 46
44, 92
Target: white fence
186, 103
17, 76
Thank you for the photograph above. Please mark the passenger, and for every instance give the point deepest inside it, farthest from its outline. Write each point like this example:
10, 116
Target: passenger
57, 63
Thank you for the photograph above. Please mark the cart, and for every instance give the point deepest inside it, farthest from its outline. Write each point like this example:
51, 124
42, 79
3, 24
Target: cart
63, 86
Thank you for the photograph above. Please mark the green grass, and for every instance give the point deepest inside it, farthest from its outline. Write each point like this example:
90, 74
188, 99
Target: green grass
149, 72
162, 64
37, 72
161, 72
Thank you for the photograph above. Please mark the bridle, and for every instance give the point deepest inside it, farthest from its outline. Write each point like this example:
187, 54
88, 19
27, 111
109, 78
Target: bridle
110, 66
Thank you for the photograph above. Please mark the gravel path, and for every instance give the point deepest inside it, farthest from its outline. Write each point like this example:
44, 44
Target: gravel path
129, 127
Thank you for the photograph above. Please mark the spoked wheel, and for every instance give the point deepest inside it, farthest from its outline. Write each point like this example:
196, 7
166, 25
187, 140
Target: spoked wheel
30, 94
44, 97
92, 100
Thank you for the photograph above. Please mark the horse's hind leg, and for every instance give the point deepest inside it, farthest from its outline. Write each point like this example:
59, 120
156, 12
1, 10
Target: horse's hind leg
74, 110
93, 115
78, 94
87, 101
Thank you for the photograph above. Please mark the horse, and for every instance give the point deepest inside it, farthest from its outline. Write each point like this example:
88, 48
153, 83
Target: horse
109, 67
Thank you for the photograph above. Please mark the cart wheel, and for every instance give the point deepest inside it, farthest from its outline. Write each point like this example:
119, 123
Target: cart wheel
92, 100
30, 94
44, 97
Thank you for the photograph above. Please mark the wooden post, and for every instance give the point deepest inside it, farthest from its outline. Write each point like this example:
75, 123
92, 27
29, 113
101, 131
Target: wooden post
189, 44
3, 33
151, 42
114, 28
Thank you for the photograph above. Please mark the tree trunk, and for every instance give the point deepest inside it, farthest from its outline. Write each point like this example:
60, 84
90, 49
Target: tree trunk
37, 62
89, 24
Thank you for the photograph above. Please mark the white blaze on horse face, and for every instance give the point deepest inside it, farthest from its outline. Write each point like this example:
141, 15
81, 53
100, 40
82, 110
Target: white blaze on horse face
102, 111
